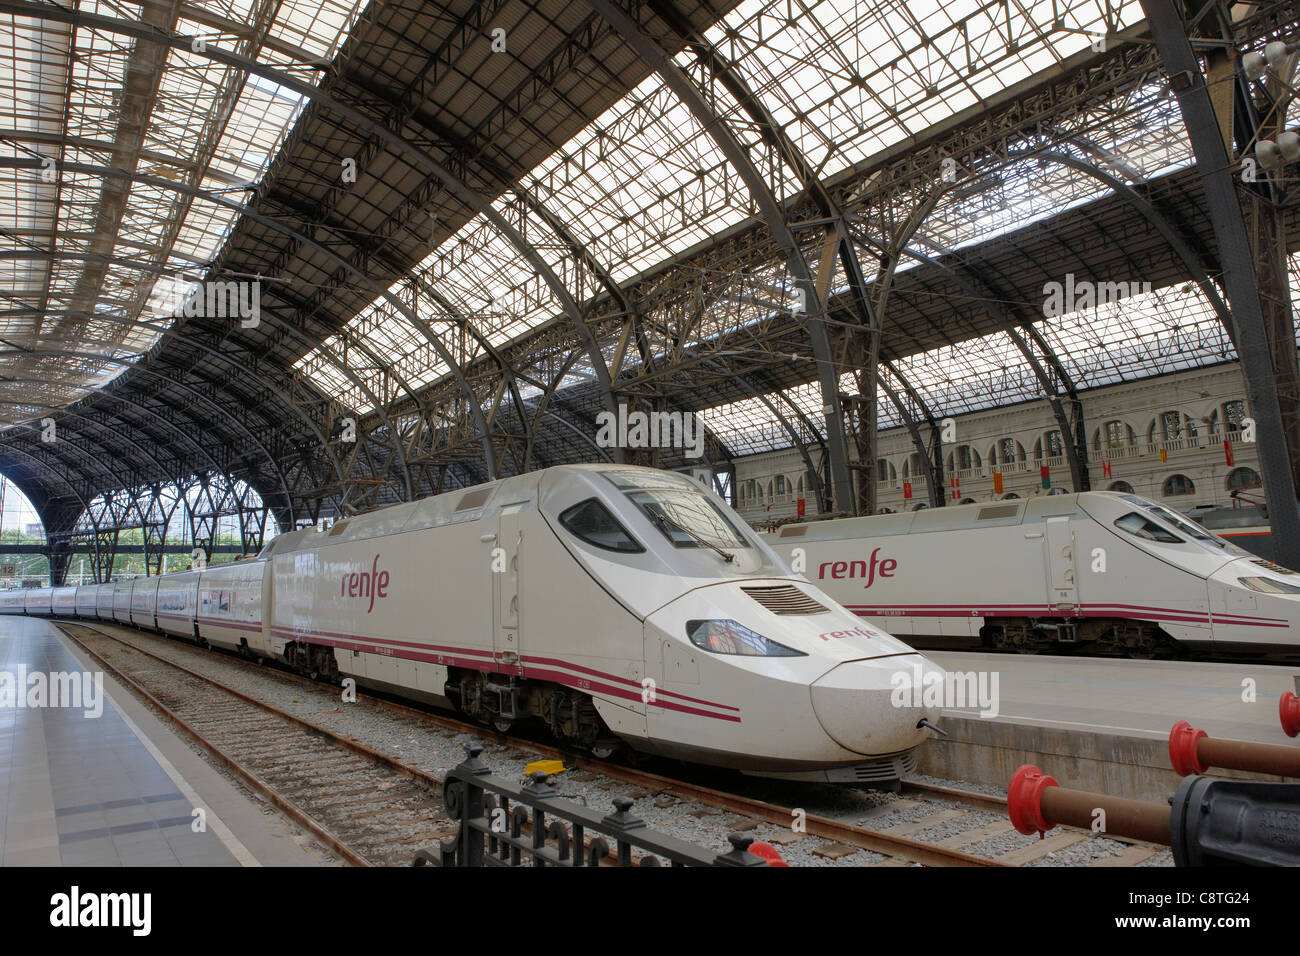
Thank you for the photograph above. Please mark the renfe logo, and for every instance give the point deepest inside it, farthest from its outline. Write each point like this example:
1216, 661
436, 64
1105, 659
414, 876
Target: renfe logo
858, 631
371, 584
868, 570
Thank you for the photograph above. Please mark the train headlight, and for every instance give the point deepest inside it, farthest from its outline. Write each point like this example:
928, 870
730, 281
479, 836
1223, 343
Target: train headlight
730, 637
1269, 585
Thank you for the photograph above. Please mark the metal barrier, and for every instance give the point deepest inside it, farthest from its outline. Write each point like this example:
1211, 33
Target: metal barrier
493, 814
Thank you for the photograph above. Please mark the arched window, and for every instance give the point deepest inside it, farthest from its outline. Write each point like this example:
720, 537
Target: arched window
966, 501
1009, 495
799, 487
1242, 478
1178, 485
1058, 491
1049, 446
1008, 451
1113, 434
920, 507
780, 485
1233, 415
1123, 487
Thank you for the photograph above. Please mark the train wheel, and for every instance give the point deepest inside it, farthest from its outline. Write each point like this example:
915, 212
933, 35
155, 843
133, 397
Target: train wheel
604, 749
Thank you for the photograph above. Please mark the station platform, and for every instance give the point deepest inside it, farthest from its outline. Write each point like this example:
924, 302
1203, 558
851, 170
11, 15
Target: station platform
106, 783
1100, 724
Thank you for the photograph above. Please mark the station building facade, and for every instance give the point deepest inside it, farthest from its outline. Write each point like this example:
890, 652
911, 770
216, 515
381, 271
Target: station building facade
1162, 438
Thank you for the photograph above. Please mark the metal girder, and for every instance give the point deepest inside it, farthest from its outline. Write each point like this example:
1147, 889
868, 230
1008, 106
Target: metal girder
773, 216
1215, 165
195, 393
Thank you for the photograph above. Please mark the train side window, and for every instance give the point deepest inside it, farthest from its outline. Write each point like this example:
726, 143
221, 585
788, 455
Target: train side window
1136, 524
591, 521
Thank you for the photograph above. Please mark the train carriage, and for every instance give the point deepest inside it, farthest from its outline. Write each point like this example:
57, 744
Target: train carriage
230, 606
64, 602
13, 601
122, 602
39, 601
144, 603
104, 601
177, 603
87, 600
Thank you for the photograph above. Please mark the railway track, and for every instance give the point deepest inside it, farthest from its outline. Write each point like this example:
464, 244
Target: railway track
373, 807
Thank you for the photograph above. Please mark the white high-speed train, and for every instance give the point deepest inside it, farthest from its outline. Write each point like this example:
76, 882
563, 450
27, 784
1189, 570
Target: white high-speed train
1113, 571
609, 601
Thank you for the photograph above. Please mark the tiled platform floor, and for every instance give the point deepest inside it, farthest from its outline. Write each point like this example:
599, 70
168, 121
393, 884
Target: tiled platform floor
119, 789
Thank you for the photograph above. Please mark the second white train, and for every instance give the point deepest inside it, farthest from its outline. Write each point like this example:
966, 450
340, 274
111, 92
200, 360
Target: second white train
1111, 571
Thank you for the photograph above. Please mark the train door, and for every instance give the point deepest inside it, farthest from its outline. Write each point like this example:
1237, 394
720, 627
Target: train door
506, 563
1061, 593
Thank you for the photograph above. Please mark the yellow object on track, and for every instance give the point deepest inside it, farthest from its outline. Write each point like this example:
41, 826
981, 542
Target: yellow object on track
546, 766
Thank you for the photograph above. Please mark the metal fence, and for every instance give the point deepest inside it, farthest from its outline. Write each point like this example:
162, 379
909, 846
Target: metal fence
504, 824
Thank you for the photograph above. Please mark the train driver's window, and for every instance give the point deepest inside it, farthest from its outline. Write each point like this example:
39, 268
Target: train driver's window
1136, 524
591, 521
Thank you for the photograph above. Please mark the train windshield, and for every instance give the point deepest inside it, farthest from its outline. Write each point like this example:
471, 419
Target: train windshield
679, 509
1177, 521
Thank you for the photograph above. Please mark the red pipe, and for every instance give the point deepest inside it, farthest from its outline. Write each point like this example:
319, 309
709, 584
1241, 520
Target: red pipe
1036, 803
1191, 751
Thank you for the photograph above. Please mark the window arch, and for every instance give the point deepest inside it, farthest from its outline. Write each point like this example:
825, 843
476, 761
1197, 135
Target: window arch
1049, 445
1171, 425
1178, 485
1008, 451
963, 458
1114, 434
1242, 478
1123, 487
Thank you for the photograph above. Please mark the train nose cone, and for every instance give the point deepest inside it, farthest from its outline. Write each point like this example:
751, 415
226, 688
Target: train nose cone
872, 706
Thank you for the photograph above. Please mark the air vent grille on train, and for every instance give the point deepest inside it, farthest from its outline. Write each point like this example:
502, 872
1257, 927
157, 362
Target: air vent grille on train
997, 511
1273, 567
784, 599
892, 768
794, 530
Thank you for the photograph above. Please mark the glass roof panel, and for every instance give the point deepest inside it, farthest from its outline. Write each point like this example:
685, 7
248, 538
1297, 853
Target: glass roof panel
64, 95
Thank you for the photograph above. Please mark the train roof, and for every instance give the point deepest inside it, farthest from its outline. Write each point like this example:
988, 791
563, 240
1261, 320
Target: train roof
451, 507
949, 518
